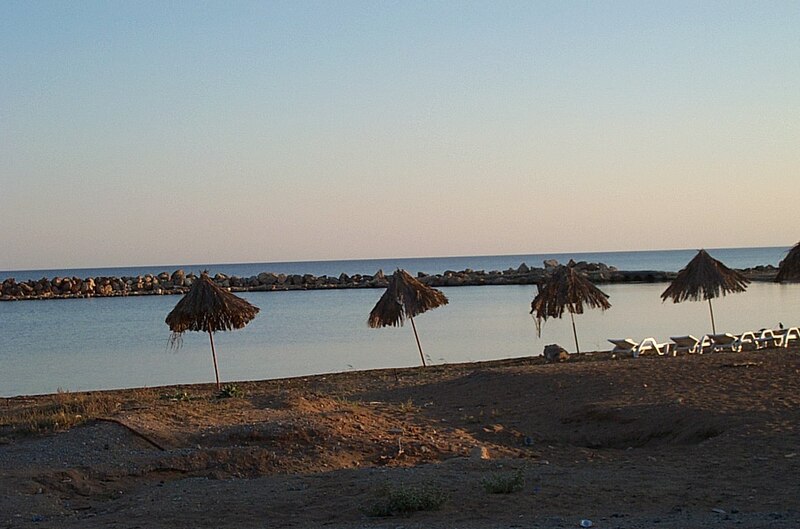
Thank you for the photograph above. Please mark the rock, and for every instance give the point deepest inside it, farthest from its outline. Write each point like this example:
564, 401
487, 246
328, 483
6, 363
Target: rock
453, 281
178, 277
480, 452
267, 278
523, 269
555, 353
549, 264
87, 286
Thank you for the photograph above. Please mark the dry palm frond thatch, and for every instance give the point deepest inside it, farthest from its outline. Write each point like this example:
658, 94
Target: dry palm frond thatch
566, 290
790, 267
209, 308
405, 297
705, 278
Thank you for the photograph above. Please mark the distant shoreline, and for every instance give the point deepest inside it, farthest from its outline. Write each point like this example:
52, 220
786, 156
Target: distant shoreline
178, 282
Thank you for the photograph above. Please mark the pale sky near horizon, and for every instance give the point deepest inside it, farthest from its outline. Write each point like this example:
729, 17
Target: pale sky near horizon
143, 133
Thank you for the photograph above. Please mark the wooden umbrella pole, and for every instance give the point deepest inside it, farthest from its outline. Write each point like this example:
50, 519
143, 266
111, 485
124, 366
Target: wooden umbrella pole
574, 332
413, 326
214, 354
711, 310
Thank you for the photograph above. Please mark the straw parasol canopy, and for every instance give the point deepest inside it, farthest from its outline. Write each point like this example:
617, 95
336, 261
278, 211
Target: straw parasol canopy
566, 290
405, 297
790, 267
705, 278
209, 308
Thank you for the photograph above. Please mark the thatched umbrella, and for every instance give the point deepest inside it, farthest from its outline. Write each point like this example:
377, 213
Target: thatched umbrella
209, 308
705, 278
566, 289
790, 267
405, 297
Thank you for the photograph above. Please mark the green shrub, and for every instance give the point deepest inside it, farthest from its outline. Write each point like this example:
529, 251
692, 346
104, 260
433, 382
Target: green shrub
504, 483
229, 391
407, 499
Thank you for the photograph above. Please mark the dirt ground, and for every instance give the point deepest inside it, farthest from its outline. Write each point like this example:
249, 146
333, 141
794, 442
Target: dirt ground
669, 442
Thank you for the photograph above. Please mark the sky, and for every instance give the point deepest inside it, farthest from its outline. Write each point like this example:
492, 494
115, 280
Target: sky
138, 133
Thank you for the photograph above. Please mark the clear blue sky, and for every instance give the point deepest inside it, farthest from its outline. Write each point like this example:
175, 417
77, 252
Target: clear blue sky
136, 133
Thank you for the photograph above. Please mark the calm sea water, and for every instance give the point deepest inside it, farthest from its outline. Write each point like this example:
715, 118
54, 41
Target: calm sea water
107, 343
665, 260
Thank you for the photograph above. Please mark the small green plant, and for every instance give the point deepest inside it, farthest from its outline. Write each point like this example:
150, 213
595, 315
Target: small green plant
230, 391
407, 499
345, 402
504, 482
407, 406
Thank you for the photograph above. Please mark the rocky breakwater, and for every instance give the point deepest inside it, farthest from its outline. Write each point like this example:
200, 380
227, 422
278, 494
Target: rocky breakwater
179, 282
75, 287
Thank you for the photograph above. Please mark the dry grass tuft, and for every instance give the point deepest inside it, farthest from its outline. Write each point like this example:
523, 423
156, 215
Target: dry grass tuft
57, 412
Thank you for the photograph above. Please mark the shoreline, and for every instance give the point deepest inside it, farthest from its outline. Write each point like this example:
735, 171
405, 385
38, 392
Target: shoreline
179, 282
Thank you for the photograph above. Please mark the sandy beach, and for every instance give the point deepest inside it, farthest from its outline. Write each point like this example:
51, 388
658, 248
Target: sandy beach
691, 441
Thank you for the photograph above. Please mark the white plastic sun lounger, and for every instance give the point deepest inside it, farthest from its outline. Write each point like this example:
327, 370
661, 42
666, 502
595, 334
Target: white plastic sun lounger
788, 335
650, 344
623, 345
686, 344
722, 342
769, 338
730, 342
746, 340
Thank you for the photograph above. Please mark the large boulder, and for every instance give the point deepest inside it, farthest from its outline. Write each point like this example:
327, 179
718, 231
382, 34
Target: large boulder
555, 353
87, 287
178, 277
267, 278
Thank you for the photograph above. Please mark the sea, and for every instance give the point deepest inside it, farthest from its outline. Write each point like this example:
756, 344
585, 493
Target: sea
109, 343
